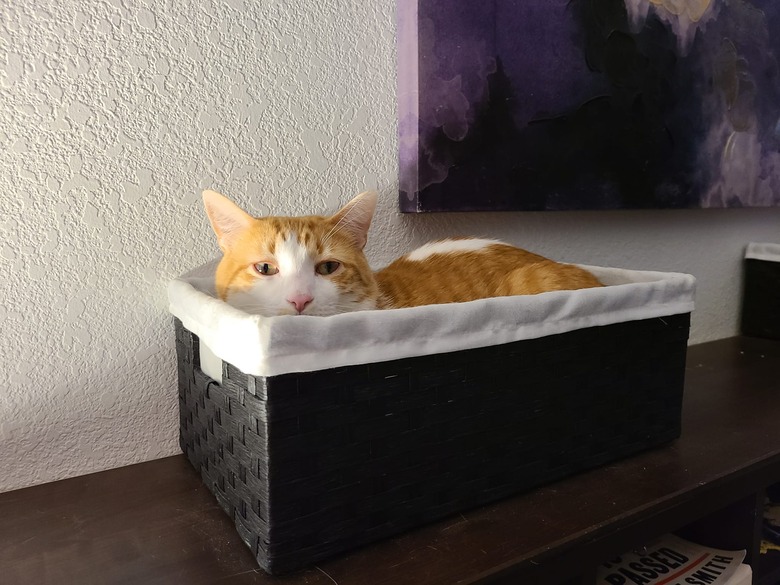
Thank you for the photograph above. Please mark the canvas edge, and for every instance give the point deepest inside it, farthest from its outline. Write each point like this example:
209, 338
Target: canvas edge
408, 92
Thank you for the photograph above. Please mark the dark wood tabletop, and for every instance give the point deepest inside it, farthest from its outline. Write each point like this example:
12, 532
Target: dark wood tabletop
154, 523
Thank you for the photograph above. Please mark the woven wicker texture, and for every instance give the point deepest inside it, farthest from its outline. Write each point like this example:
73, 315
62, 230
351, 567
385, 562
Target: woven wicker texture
313, 464
761, 299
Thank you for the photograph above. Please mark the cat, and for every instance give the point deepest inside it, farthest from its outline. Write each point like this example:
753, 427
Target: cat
315, 265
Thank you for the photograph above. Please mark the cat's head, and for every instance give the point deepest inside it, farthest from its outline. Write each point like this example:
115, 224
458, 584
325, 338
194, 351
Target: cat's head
308, 265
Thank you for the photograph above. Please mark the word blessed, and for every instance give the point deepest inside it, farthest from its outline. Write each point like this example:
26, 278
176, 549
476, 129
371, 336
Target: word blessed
666, 566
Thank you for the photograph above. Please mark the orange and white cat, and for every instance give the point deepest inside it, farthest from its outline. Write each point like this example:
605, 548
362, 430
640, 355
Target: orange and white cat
315, 265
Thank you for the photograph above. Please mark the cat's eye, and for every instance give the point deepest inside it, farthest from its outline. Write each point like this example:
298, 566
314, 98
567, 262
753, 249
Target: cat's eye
266, 269
327, 267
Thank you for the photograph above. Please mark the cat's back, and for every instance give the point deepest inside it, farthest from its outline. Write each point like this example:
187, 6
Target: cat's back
466, 269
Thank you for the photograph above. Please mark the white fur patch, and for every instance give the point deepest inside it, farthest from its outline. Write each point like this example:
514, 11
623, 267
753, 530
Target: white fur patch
450, 247
269, 295
293, 258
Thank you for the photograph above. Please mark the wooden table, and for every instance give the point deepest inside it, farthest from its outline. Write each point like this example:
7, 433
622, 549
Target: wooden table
154, 523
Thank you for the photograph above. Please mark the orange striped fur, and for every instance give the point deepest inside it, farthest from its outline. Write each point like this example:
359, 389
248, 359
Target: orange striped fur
315, 265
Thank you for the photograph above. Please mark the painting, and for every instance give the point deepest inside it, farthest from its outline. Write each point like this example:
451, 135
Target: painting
588, 104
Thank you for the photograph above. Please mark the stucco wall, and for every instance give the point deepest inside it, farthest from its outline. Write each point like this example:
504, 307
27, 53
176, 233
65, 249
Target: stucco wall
116, 114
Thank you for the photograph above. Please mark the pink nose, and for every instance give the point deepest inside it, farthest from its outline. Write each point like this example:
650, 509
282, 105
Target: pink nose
300, 301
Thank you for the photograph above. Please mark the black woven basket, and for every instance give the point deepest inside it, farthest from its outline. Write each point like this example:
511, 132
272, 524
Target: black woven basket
761, 299
309, 465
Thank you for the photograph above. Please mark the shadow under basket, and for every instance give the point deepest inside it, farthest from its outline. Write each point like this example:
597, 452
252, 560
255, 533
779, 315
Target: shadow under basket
312, 464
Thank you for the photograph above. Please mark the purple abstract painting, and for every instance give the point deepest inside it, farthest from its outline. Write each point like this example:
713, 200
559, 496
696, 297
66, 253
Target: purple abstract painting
588, 104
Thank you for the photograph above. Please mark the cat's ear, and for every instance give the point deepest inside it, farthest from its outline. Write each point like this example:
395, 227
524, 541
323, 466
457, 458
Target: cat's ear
355, 217
227, 219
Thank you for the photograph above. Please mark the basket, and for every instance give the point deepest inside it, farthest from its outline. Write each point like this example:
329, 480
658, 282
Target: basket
310, 464
761, 291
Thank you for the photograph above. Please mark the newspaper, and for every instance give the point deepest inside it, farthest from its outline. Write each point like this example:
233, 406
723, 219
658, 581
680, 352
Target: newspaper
671, 561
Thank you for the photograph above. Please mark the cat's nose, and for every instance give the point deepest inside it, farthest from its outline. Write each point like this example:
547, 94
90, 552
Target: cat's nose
300, 301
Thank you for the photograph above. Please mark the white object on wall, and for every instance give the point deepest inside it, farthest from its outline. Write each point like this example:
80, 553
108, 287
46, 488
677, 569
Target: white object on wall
763, 251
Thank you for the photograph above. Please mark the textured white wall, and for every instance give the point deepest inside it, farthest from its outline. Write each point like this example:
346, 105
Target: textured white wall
115, 114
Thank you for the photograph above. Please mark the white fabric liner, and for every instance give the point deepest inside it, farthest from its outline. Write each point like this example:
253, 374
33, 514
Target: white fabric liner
270, 346
768, 252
